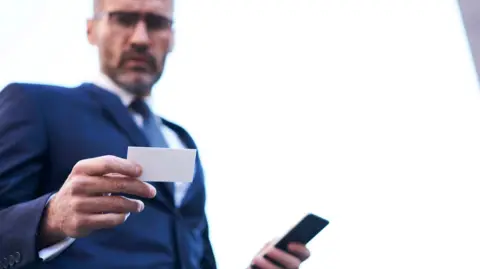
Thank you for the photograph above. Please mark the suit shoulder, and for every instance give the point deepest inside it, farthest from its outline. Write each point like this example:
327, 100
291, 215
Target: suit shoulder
37, 89
39, 92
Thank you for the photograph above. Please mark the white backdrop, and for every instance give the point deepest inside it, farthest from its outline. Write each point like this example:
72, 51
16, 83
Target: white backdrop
364, 112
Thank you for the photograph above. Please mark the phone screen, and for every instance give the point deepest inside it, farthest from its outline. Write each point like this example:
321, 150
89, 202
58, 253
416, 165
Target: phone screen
303, 232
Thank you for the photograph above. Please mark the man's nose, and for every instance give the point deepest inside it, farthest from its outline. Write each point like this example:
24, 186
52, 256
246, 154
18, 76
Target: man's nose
140, 35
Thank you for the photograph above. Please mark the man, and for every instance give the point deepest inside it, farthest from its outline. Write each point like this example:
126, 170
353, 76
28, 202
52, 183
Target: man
68, 196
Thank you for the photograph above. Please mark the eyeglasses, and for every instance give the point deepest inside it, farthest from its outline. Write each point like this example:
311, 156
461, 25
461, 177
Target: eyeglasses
126, 19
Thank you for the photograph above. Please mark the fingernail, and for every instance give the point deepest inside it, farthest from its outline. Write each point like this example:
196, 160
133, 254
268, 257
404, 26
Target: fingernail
138, 169
140, 206
153, 191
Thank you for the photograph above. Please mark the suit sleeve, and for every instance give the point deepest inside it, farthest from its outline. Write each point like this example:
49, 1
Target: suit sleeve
23, 146
208, 261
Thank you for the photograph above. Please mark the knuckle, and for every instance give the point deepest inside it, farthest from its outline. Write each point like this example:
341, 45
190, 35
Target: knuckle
78, 223
112, 163
110, 159
120, 185
79, 165
116, 203
76, 205
107, 162
79, 184
140, 187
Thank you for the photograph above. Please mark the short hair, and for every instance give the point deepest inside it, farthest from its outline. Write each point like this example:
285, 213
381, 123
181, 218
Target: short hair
97, 6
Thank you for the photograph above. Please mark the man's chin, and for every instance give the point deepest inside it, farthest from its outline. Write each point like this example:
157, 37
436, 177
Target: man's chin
136, 82
136, 77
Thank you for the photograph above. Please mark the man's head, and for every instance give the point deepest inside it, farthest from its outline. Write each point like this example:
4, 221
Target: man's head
133, 39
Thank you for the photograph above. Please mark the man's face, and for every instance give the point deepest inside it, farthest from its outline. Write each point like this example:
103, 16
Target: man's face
133, 39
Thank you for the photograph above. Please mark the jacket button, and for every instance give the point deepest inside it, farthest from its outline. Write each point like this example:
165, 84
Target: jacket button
18, 257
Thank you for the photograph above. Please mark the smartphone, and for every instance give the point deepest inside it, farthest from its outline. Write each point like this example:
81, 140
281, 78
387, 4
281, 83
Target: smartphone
303, 232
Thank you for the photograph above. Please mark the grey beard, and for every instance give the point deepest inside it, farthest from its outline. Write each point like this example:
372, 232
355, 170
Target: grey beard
137, 89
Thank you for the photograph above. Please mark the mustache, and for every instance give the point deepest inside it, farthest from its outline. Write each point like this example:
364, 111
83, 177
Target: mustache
130, 55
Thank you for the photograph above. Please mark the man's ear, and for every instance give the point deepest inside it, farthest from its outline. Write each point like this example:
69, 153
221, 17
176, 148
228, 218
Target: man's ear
92, 38
171, 45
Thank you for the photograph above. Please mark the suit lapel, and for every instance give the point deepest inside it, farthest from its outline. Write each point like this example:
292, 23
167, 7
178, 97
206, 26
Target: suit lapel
116, 112
198, 172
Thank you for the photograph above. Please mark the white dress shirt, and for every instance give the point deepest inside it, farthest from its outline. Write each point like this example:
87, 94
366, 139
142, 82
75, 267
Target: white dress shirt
171, 138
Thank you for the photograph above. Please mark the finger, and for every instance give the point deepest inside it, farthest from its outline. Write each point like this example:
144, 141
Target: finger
107, 164
282, 258
109, 204
102, 185
261, 263
113, 175
299, 250
92, 222
266, 248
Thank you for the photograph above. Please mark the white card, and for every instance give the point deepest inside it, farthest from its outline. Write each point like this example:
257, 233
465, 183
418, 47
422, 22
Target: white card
164, 164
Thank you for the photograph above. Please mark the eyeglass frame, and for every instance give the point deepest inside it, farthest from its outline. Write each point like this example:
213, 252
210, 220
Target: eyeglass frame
142, 17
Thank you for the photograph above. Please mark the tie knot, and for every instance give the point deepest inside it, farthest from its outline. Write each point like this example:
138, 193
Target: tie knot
139, 106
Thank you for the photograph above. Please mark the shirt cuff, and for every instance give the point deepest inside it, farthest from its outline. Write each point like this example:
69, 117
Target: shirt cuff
51, 252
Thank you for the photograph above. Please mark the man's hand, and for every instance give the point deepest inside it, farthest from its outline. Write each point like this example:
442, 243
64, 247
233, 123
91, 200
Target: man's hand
278, 259
83, 205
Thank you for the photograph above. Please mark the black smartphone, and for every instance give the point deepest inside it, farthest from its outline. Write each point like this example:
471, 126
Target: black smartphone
302, 233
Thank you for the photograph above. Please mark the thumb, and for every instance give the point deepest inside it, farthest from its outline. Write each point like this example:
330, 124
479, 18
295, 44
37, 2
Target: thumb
268, 246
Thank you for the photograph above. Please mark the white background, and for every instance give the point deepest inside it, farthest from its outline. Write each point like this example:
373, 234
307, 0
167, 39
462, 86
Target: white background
364, 112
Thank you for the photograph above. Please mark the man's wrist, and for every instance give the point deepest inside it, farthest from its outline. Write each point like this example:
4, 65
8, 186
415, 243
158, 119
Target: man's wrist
48, 236
48, 233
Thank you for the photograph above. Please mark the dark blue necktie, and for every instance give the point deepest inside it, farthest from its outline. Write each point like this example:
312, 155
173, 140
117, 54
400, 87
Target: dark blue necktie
151, 129
150, 126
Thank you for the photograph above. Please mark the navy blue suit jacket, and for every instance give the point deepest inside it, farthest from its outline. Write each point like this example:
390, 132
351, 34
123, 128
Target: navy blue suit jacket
44, 131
